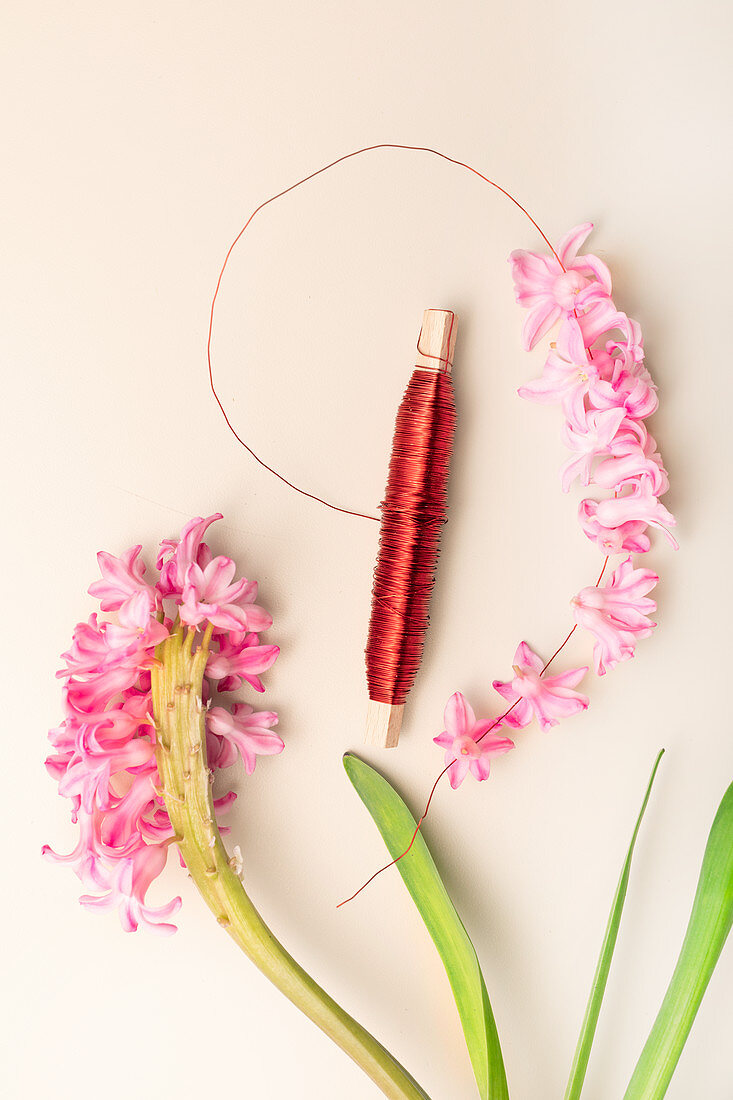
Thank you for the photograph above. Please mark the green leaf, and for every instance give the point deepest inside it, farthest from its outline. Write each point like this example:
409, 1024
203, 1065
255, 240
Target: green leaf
420, 875
707, 931
598, 988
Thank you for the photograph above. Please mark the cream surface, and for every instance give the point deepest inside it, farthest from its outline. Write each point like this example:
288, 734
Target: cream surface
138, 138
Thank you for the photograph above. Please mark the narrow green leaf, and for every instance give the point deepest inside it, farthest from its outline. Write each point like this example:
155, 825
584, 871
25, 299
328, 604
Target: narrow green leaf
420, 875
600, 978
708, 928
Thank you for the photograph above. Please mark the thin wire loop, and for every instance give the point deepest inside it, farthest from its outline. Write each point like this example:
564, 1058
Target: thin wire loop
419, 590
279, 195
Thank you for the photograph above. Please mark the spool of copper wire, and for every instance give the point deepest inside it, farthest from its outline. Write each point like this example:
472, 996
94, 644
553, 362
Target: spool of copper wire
413, 512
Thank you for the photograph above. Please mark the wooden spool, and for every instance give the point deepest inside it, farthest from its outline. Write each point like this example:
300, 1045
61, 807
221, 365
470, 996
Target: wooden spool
436, 347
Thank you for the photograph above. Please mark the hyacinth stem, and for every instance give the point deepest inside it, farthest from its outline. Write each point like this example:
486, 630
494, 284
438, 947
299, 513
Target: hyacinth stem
186, 785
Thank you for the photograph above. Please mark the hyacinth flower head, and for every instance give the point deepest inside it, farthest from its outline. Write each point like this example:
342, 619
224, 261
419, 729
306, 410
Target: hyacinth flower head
143, 733
108, 760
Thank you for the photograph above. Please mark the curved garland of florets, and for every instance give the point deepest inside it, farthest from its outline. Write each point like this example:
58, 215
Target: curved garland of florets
595, 371
105, 747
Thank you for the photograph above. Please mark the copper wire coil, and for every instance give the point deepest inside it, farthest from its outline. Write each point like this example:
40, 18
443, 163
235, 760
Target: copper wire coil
413, 512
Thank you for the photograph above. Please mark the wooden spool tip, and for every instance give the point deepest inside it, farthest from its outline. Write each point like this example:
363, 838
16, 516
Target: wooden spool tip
383, 725
437, 338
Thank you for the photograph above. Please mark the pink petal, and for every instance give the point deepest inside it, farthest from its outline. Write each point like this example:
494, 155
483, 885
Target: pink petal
539, 322
458, 716
458, 771
567, 248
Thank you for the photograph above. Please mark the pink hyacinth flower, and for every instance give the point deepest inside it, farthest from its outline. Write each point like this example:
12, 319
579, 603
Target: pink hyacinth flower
532, 695
209, 595
115, 648
95, 693
123, 825
628, 536
630, 388
240, 657
590, 439
128, 885
633, 454
243, 730
95, 761
617, 614
256, 617
122, 578
177, 555
89, 650
639, 503
548, 292
136, 629
469, 747
568, 375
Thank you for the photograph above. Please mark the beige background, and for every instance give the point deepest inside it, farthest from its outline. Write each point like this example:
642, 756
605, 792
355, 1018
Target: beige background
137, 138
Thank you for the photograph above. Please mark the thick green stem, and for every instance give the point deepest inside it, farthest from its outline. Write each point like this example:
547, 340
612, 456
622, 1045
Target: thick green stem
186, 786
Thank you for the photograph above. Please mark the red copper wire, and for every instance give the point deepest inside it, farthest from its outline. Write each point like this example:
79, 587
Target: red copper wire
413, 512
